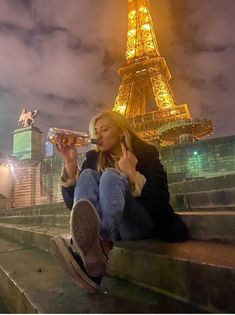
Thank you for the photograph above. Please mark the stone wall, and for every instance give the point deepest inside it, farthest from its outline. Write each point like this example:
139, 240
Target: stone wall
40, 183
211, 157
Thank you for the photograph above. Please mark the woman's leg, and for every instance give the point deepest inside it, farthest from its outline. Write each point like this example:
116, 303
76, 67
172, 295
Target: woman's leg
82, 256
87, 187
136, 222
122, 216
85, 223
112, 190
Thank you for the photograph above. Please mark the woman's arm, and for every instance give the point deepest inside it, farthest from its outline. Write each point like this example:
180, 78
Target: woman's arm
71, 168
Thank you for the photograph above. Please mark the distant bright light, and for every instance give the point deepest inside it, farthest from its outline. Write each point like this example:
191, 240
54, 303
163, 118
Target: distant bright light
195, 152
146, 27
132, 32
121, 108
143, 9
132, 13
12, 168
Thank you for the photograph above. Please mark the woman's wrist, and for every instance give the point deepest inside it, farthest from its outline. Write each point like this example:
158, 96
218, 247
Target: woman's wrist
132, 175
71, 168
70, 162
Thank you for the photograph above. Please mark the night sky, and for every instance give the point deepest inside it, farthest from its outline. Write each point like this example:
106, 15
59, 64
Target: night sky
61, 57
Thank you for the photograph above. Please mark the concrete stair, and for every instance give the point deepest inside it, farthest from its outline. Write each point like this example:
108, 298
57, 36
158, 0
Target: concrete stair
203, 225
3, 307
44, 209
197, 275
223, 200
210, 225
31, 282
216, 192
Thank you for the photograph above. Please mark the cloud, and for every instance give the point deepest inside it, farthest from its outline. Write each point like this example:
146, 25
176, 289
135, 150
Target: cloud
203, 61
61, 57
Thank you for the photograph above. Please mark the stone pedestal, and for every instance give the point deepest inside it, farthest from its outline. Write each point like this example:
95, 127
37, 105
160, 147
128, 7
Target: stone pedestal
27, 143
27, 147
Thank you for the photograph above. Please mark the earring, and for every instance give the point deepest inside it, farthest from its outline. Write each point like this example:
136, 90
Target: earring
121, 137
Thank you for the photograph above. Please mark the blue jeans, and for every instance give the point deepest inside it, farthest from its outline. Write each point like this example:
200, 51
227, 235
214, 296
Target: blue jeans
122, 217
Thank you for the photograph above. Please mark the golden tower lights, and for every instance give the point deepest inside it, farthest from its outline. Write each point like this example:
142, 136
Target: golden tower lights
145, 80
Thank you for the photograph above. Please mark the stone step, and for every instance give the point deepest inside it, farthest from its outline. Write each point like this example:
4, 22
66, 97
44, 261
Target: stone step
210, 225
53, 208
200, 272
203, 225
21, 267
196, 272
3, 307
47, 219
211, 199
203, 184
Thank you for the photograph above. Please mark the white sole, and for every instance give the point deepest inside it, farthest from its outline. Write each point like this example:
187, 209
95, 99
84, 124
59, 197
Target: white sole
61, 252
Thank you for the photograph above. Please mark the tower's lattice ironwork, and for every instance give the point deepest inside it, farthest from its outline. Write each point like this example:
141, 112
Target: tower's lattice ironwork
144, 95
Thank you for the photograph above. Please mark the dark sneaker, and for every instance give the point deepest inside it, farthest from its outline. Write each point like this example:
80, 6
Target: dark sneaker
72, 264
85, 231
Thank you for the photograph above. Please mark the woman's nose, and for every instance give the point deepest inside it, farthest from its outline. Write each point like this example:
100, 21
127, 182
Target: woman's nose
98, 136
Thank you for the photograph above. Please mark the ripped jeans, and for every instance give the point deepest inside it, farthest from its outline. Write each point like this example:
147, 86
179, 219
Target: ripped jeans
122, 217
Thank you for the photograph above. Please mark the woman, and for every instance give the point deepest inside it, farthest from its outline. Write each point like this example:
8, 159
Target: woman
119, 193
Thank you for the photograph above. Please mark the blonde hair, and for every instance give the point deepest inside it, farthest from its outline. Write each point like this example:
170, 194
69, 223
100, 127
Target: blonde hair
105, 160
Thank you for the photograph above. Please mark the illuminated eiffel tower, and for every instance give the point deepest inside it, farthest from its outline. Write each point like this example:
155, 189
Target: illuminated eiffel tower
144, 95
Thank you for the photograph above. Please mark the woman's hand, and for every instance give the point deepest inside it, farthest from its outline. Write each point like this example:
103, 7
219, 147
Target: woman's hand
69, 155
127, 163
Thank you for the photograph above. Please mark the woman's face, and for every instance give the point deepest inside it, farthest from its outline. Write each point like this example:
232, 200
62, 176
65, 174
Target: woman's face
107, 133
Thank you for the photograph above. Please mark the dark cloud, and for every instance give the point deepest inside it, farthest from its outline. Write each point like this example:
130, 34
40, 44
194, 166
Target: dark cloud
203, 43
62, 57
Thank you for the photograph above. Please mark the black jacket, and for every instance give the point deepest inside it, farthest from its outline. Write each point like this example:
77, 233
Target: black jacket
154, 196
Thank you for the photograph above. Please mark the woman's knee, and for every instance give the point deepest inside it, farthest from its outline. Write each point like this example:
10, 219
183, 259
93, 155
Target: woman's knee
87, 185
88, 175
112, 176
89, 172
111, 172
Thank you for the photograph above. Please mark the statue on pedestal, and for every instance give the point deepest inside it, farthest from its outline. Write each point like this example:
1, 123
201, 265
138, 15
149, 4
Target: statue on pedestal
27, 118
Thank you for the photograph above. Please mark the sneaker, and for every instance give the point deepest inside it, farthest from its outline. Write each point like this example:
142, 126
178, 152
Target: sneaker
72, 264
85, 231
